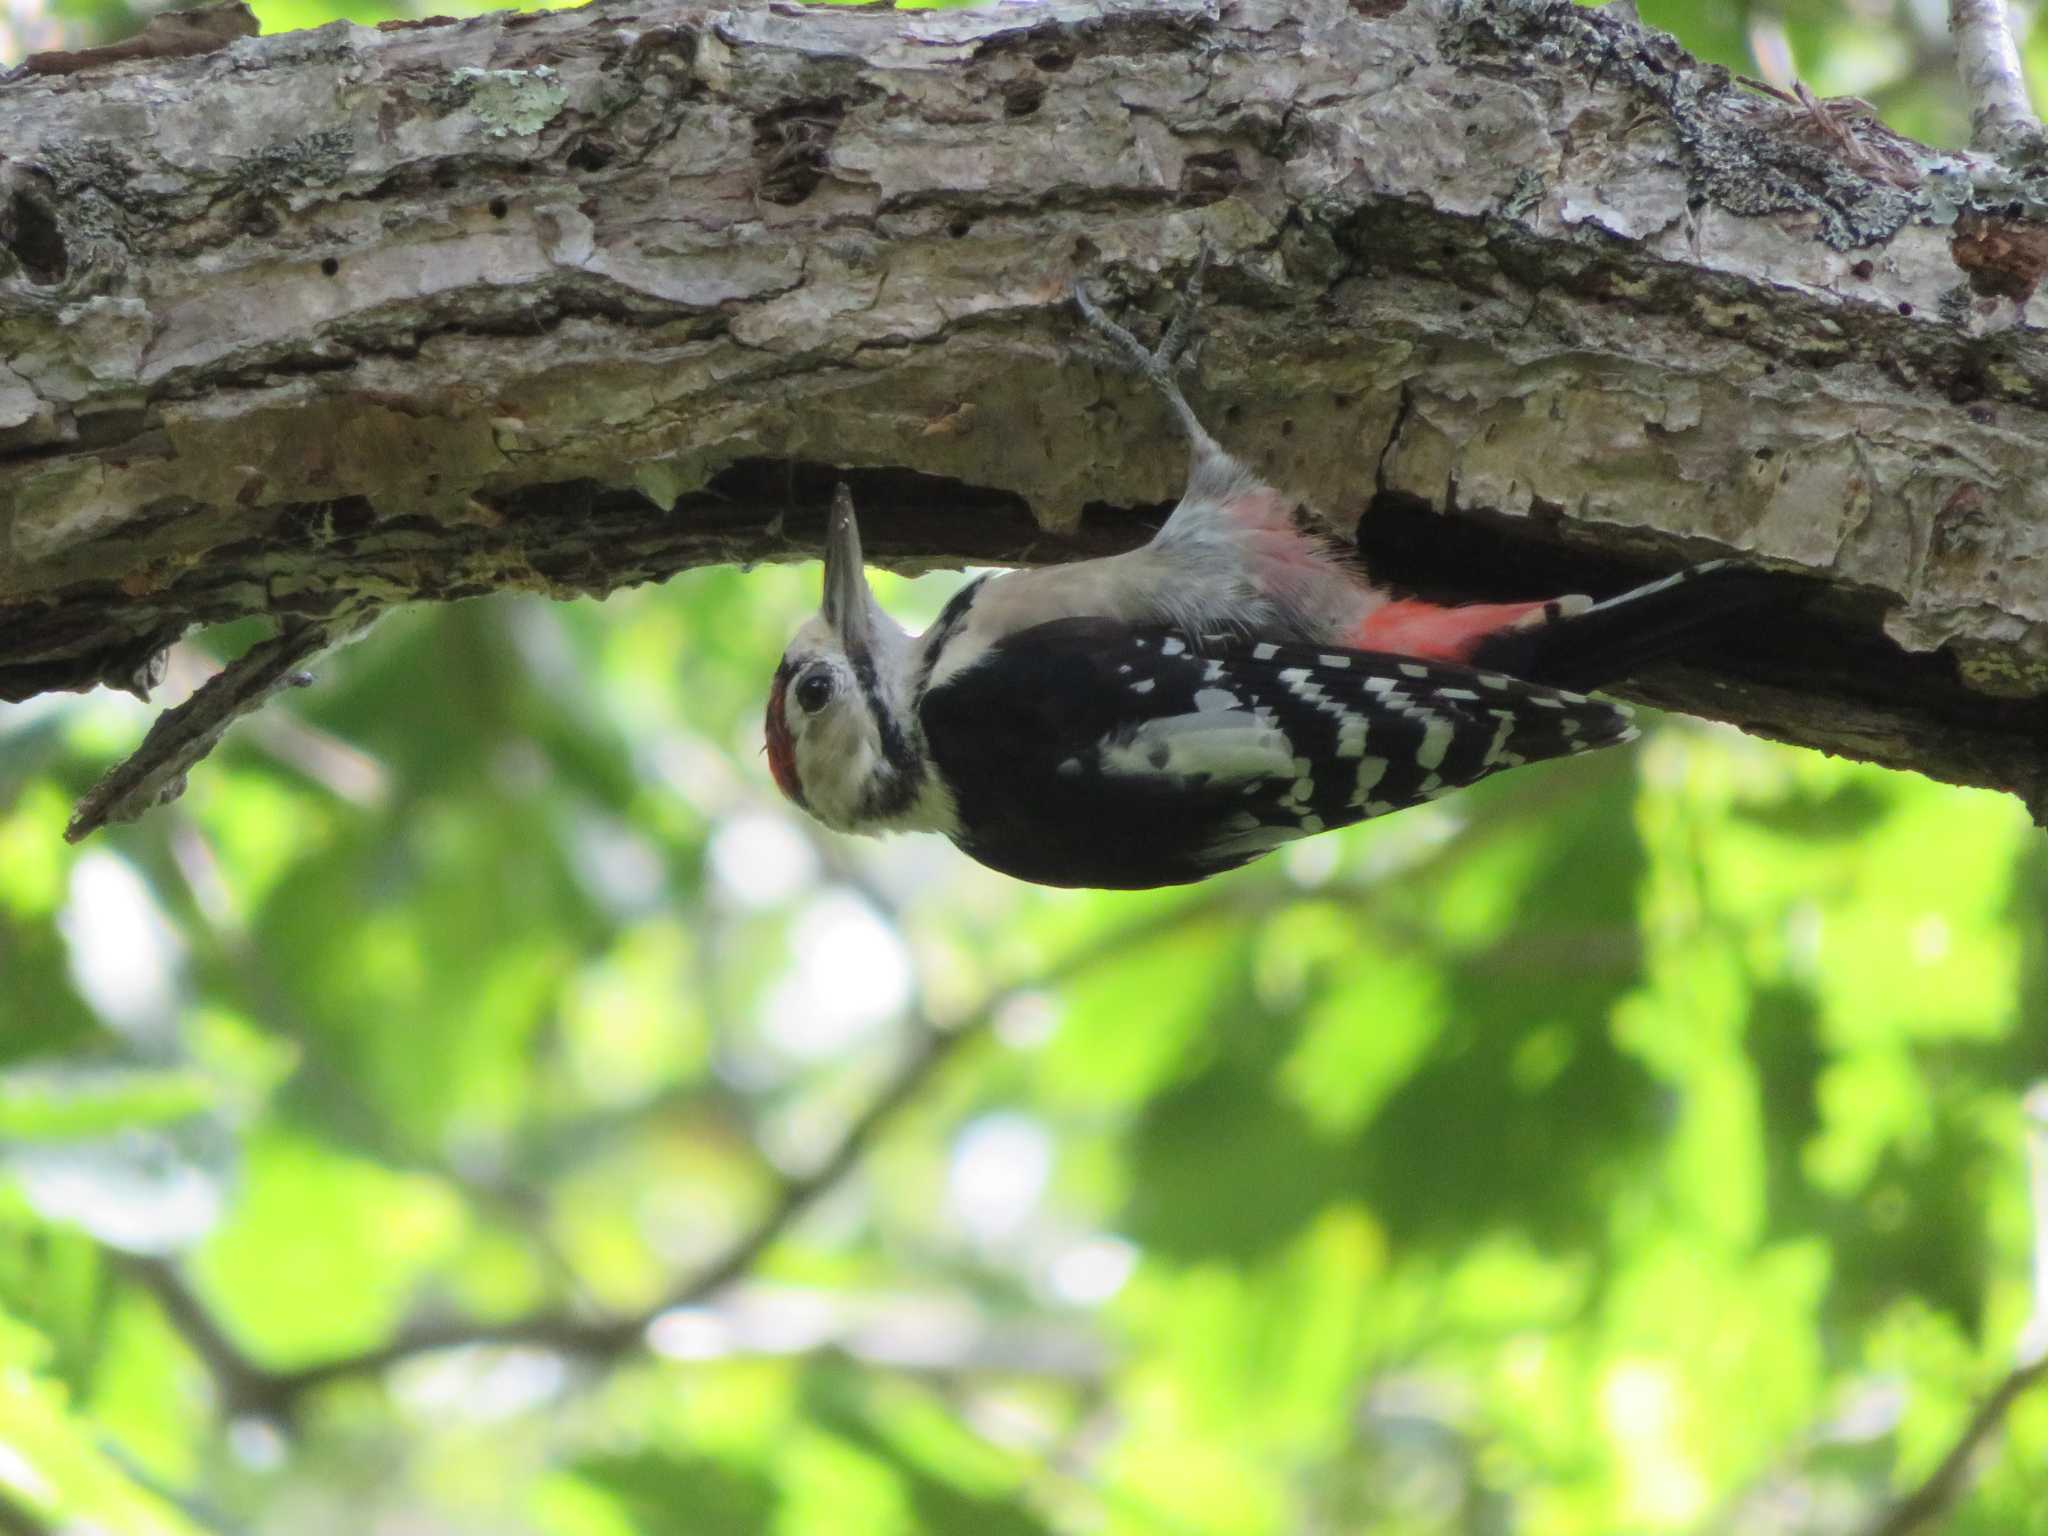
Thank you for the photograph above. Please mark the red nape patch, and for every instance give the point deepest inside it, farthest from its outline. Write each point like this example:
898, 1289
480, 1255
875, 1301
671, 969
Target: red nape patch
781, 750
1431, 631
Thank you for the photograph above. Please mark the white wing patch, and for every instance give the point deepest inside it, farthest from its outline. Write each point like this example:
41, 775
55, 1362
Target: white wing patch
1220, 744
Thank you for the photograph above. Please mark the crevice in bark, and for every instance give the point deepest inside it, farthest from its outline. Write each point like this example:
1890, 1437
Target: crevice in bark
35, 238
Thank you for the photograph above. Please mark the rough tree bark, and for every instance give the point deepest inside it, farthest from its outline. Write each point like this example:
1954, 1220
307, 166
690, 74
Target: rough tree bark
313, 324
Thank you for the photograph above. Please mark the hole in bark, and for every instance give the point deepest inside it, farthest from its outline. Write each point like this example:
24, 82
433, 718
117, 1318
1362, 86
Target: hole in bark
591, 155
1210, 177
1770, 367
1862, 271
36, 239
1052, 61
959, 229
1287, 428
1021, 98
258, 218
321, 522
329, 266
498, 207
1905, 309
792, 146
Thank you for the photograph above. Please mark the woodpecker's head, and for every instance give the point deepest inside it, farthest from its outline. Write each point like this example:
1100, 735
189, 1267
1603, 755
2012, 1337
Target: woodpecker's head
840, 740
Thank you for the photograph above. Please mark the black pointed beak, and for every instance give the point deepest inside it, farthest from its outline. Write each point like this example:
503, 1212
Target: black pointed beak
846, 578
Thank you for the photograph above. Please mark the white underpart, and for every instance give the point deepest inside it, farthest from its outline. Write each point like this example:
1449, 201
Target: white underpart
1225, 565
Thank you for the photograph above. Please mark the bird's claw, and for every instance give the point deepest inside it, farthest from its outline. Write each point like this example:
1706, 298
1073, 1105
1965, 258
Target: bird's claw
1117, 348
1179, 345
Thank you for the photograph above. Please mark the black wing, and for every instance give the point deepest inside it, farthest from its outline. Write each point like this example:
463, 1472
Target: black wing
1082, 752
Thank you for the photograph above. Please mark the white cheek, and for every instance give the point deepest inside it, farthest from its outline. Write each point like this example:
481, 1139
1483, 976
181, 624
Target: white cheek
837, 757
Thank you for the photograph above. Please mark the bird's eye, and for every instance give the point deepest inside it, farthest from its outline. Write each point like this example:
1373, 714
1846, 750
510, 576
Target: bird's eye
814, 690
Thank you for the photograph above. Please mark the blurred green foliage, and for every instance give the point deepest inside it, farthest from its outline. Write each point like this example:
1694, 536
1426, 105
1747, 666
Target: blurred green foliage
1632, 1145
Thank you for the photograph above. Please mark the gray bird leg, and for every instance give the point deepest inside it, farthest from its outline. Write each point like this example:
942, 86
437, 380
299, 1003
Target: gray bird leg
1158, 365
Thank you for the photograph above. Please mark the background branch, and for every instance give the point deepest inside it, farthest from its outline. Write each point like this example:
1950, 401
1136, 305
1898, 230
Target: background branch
247, 1387
1946, 1484
2002, 117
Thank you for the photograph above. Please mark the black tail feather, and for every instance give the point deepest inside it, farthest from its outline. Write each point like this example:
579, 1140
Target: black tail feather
1619, 637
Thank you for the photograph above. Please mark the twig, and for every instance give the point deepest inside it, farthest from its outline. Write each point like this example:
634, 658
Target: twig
607, 1336
198, 1511
155, 772
244, 1387
1945, 1484
2001, 116
1948, 1481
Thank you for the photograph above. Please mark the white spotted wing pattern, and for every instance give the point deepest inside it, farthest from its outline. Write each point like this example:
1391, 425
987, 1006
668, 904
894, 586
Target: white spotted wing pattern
1209, 751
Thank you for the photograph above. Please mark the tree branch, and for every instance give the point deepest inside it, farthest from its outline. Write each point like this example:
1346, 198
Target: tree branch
1513, 287
155, 772
2002, 120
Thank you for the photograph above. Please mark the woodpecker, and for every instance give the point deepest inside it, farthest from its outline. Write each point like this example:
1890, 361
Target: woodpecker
1159, 716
